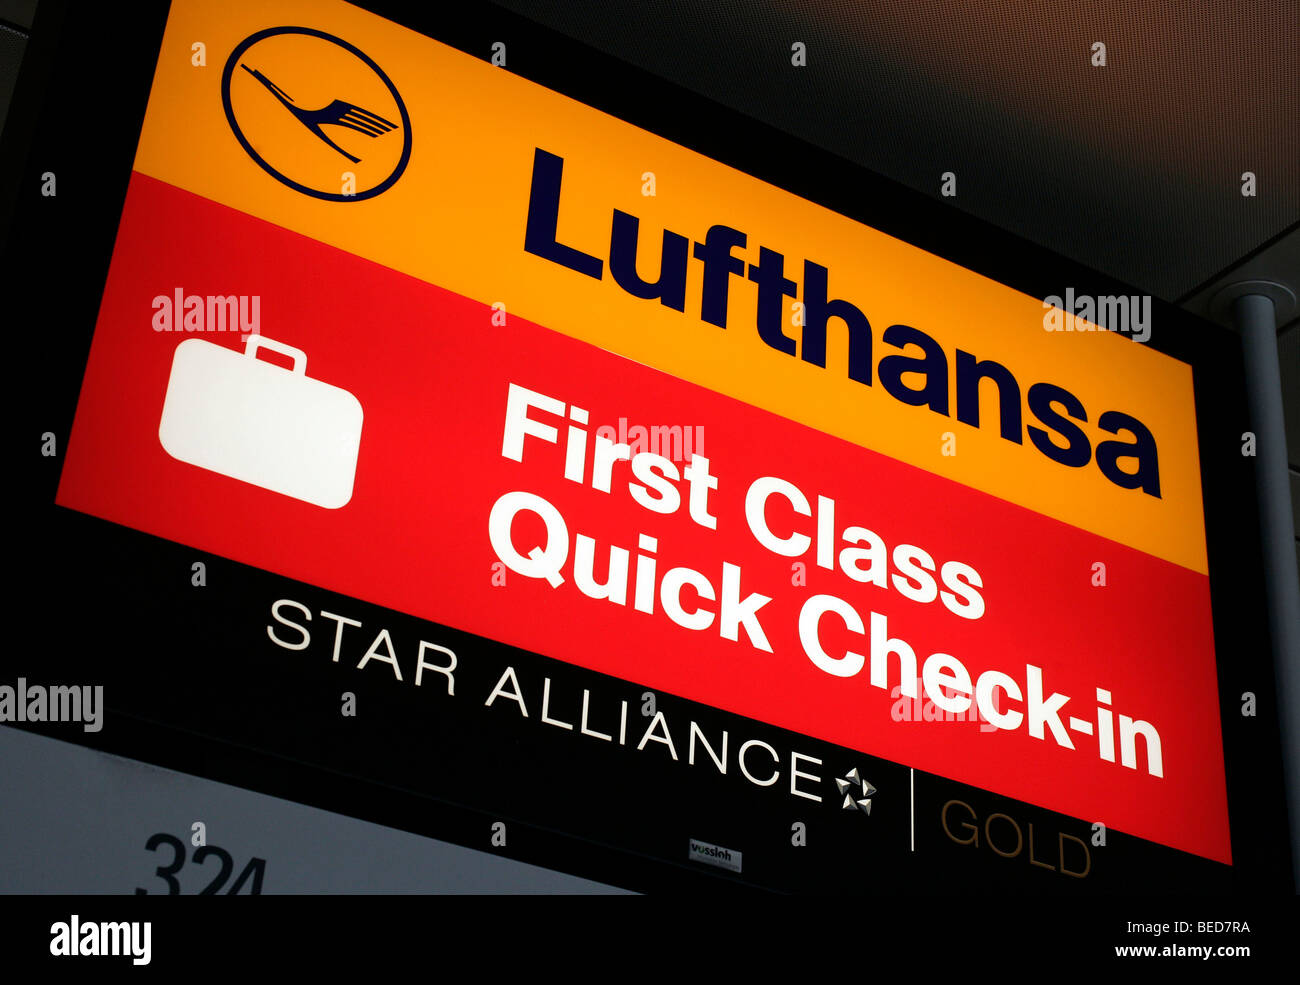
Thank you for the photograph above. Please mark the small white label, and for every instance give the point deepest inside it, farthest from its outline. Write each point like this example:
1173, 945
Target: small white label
724, 858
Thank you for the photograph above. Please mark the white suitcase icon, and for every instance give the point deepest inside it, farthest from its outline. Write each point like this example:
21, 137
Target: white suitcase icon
257, 422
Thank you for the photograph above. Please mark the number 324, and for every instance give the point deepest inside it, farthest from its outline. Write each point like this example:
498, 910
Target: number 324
255, 868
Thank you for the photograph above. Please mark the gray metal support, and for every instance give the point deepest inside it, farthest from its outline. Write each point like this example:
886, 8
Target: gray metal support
1256, 318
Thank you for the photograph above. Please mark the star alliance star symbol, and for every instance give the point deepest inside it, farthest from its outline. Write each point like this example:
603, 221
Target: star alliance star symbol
848, 788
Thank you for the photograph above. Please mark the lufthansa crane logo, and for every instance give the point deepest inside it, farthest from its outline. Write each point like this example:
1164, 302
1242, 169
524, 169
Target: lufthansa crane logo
316, 113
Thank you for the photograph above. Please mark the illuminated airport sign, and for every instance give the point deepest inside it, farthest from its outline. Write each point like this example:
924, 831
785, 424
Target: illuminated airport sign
389, 320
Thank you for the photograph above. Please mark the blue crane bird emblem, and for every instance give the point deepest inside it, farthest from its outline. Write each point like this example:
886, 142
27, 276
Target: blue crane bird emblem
338, 113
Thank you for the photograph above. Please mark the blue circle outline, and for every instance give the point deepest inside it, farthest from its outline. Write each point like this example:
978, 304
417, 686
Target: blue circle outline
228, 72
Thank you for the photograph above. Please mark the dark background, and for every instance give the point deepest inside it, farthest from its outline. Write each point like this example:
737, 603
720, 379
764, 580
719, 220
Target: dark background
193, 684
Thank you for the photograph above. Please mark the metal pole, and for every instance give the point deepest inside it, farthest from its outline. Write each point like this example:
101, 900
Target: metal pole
1256, 319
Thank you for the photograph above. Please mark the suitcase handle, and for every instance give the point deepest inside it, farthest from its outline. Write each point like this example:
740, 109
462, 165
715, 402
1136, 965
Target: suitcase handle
253, 342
